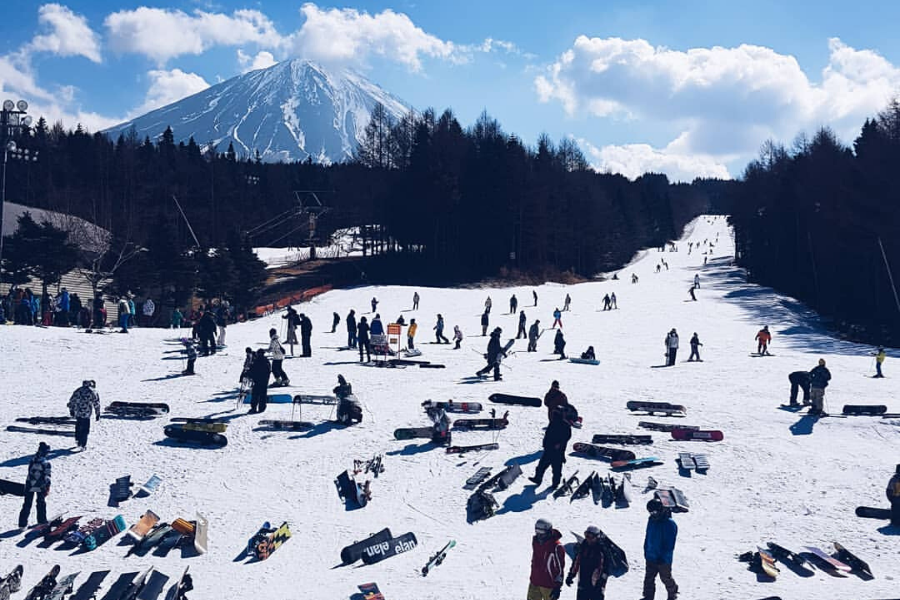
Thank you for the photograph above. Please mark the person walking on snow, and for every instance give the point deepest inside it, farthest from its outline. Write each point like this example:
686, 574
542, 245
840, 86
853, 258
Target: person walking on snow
374, 303
259, 375
534, 295
554, 398
411, 334
351, 329
590, 561
556, 437
335, 321
548, 562
818, 381
879, 359
634, 278
362, 339
567, 302
612, 302
513, 304
557, 319
659, 548
493, 355
695, 348
534, 332
559, 345
457, 336
83, 404
521, 331
606, 302
691, 292
893, 496
764, 337
439, 331
487, 305
671, 347
697, 280
306, 328
37, 484
485, 322
277, 351
415, 300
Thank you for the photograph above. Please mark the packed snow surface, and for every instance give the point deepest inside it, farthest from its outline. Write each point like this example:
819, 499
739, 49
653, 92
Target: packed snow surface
777, 476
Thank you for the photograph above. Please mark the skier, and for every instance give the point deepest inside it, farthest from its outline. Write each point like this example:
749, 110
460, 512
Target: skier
415, 300
485, 322
348, 409
799, 381
362, 339
659, 546
351, 329
534, 294
488, 304
277, 351
612, 302
411, 334
634, 278
306, 328
818, 381
548, 562
513, 304
671, 347
606, 302
335, 321
590, 561
554, 398
589, 354
695, 348
259, 375
893, 496
559, 345
557, 318
556, 437
207, 329
37, 484
764, 338
374, 303
439, 331
457, 336
697, 280
567, 302
691, 292
82, 406
534, 332
493, 355
521, 331
879, 359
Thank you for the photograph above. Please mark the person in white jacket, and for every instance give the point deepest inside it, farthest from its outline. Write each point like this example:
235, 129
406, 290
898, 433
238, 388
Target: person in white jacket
671, 347
277, 351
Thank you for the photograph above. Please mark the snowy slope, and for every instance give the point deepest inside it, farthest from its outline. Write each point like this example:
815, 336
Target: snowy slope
290, 111
767, 482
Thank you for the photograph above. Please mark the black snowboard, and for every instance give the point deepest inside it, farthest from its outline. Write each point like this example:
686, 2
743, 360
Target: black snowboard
518, 400
205, 438
13, 488
622, 439
398, 545
864, 409
868, 512
354, 552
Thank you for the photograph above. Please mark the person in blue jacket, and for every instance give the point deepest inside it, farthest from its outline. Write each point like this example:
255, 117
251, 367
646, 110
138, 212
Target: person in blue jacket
659, 545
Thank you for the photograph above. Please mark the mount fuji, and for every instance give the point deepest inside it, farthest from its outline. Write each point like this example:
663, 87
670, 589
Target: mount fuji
293, 110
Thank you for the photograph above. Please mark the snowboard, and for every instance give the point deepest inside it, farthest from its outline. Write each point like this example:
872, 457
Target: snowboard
120, 585
40, 430
568, 486
867, 512
99, 536
638, 463
864, 409
58, 532
153, 586
370, 591
672, 498
77, 536
151, 486
47, 420
622, 439
687, 461
672, 410
120, 490
480, 475
157, 406
286, 425
830, 560
314, 399
201, 534
486, 424
473, 448
517, 400
701, 461
378, 552
623, 494
44, 586
503, 479
63, 587
618, 561
437, 558
12, 488
135, 586
354, 552
88, 589
184, 585
12, 583
350, 490
767, 563
610, 454
143, 526
208, 427
584, 361
585, 488
275, 399
126, 412
454, 407
851, 559
204, 438
272, 542
793, 560
409, 433
667, 427
196, 420
697, 435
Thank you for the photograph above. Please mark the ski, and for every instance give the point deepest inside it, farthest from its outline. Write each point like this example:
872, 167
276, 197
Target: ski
398, 545
667, 427
610, 454
517, 400
453, 407
354, 552
437, 558
474, 448
629, 440
697, 435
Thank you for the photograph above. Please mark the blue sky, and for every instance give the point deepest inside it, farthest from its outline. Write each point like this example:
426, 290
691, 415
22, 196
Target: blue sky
688, 88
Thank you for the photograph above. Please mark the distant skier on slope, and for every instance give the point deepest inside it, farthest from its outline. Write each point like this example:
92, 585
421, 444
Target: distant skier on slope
691, 292
695, 348
485, 322
566, 303
764, 338
671, 347
534, 332
335, 321
439, 336
557, 319
559, 345
879, 360
415, 300
513, 304
351, 329
457, 336
521, 330
612, 301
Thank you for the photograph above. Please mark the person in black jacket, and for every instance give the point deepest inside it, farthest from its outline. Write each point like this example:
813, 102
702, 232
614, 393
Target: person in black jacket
521, 332
259, 375
335, 321
208, 329
37, 484
293, 320
494, 350
799, 381
590, 562
306, 334
351, 329
818, 381
556, 437
362, 338
485, 322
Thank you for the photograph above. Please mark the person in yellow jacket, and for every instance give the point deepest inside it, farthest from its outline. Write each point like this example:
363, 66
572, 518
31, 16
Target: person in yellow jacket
411, 334
893, 495
879, 359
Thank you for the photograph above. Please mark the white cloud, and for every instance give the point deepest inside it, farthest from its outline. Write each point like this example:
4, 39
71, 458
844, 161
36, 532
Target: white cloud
167, 87
262, 60
67, 34
163, 34
633, 160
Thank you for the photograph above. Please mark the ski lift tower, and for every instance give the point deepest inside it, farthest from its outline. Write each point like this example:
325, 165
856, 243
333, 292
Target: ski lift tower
310, 205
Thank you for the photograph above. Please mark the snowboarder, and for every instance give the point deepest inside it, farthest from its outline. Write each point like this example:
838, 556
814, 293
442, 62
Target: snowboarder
411, 334
362, 339
277, 351
691, 292
697, 280
658, 266
457, 336
557, 318
671, 347
351, 329
534, 332
207, 329
485, 322
879, 359
634, 278
589, 354
493, 355
764, 338
259, 375
659, 547
439, 331
521, 331
488, 304
348, 409
612, 302
248, 362
548, 562
559, 345
37, 484
376, 327
335, 321
554, 398
893, 496
606, 302
818, 381
799, 381
590, 561
567, 302
440, 433
374, 303
534, 294
415, 300
85, 401
556, 437
695, 348
513, 304
306, 328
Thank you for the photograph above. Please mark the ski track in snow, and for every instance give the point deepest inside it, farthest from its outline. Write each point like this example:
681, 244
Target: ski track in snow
765, 483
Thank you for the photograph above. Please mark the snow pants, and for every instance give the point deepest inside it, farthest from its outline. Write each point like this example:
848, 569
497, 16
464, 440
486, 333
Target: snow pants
277, 372
586, 591
536, 592
351, 339
670, 357
82, 429
521, 333
410, 342
495, 366
439, 337
553, 459
895, 512
817, 395
665, 575
259, 397
26, 508
305, 341
695, 351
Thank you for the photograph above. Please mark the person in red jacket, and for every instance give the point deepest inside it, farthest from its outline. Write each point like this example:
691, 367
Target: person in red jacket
554, 398
548, 561
764, 337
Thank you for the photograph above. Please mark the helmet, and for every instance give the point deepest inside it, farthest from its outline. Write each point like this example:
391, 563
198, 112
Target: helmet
654, 505
592, 531
543, 527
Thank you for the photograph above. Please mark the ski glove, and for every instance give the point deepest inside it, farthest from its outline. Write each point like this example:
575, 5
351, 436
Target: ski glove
570, 580
554, 595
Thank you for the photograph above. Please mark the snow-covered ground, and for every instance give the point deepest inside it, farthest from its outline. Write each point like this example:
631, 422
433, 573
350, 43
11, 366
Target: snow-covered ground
775, 477
346, 243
